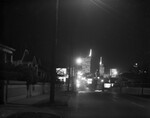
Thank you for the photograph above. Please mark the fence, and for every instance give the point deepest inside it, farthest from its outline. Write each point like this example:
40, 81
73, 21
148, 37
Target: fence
132, 90
144, 85
14, 90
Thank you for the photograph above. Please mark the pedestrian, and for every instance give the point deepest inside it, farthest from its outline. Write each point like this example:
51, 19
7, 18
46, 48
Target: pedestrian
28, 89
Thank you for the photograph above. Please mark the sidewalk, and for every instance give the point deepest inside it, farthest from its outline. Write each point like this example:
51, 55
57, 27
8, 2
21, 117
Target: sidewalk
141, 98
29, 101
37, 104
59, 93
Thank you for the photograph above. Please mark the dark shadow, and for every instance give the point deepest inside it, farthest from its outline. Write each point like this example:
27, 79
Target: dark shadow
15, 104
33, 115
47, 103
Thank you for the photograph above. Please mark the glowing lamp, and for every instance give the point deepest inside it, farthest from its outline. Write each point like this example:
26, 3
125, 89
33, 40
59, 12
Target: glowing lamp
79, 61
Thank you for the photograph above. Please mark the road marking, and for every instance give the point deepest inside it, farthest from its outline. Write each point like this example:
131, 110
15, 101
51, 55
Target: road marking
138, 105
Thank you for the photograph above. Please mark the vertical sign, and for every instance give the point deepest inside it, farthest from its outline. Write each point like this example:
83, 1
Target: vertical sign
101, 67
101, 70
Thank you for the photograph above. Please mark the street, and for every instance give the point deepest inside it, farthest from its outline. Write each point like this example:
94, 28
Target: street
40, 38
84, 104
107, 105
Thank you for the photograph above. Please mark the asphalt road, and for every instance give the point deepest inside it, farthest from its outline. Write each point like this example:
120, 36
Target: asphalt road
107, 105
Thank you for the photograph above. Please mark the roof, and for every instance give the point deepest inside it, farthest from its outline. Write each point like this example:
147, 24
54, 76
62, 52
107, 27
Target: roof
6, 49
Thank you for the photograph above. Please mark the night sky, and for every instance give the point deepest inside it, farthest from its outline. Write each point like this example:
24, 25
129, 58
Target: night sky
117, 30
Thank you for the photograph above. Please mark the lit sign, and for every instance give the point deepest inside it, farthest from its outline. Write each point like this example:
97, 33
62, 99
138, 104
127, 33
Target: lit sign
107, 85
89, 81
113, 72
61, 71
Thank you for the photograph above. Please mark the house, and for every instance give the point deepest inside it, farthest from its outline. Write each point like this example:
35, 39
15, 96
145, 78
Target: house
6, 54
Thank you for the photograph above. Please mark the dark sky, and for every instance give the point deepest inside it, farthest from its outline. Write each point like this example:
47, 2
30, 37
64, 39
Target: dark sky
117, 30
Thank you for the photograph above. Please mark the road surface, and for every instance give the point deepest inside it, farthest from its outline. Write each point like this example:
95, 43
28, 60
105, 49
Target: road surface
107, 105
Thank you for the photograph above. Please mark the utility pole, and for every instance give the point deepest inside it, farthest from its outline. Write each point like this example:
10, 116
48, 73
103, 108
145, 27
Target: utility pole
53, 68
70, 79
68, 82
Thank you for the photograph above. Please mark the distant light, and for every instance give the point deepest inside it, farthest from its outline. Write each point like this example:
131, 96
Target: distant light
100, 61
82, 91
83, 78
79, 76
77, 83
98, 90
135, 65
79, 73
98, 77
89, 81
87, 88
102, 80
107, 85
79, 61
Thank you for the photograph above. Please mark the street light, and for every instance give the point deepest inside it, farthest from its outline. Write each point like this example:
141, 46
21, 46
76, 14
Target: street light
102, 80
79, 60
